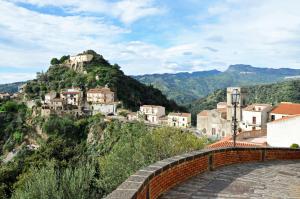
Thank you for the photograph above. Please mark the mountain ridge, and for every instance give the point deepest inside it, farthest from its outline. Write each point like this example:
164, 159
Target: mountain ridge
192, 86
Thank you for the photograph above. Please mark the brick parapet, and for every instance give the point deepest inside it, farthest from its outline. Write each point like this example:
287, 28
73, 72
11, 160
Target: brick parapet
152, 181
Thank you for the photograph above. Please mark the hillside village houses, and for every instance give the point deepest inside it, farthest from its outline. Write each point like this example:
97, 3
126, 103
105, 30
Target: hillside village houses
151, 113
102, 100
182, 120
258, 124
72, 100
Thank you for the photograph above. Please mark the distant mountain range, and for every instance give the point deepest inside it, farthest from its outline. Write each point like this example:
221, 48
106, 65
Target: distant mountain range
10, 88
184, 88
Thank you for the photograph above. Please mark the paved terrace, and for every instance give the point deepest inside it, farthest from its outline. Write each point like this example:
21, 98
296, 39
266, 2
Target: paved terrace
274, 179
218, 173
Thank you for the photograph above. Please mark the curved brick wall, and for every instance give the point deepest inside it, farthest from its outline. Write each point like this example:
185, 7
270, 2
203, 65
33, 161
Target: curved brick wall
157, 178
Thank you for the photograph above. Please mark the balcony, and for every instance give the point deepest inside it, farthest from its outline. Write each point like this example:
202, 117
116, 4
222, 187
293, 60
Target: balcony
221, 173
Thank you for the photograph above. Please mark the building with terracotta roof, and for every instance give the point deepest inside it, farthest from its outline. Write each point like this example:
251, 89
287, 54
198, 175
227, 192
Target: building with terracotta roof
284, 132
72, 96
182, 120
255, 117
151, 113
228, 142
100, 95
284, 109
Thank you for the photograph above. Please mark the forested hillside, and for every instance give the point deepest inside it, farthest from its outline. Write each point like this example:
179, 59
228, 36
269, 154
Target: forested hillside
65, 156
10, 88
187, 87
288, 91
66, 165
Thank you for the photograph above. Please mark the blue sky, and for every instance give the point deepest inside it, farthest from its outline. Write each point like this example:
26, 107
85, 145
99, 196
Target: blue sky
149, 36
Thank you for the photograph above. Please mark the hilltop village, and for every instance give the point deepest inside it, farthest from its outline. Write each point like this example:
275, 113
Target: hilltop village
258, 124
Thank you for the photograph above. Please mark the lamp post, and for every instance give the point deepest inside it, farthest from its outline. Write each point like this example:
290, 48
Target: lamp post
235, 98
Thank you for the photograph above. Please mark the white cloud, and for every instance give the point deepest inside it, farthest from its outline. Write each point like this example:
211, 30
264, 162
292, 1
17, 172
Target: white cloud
128, 11
257, 32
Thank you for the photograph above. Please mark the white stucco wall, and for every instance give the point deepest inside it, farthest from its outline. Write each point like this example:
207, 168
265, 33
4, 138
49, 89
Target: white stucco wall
277, 116
284, 133
104, 109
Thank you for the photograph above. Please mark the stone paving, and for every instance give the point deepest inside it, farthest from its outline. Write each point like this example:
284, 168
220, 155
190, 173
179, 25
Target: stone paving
273, 179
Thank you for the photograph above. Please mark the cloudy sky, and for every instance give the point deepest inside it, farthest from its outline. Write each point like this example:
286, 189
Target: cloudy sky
149, 36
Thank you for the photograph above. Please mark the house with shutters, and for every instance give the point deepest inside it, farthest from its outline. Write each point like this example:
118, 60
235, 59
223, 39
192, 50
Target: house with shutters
182, 120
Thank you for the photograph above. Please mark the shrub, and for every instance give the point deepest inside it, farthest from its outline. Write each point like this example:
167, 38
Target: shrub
54, 61
295, 146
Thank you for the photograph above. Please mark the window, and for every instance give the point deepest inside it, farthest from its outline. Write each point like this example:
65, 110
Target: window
272, 117
253, 120
213, 131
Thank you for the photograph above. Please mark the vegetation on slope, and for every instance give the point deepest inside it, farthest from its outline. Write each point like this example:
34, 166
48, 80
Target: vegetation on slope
99, 73
65, 163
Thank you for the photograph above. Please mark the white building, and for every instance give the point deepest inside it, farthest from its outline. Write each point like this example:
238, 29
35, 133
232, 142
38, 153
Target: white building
284, 132
105, 109
284, 109
100, 95
152, 113
182, 120
255, 117
72, 96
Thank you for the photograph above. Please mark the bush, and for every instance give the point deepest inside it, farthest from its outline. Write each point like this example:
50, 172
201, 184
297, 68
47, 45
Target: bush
54, 61
49, 182
295, 146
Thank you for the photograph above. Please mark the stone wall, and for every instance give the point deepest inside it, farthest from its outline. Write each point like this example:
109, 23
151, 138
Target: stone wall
152, 181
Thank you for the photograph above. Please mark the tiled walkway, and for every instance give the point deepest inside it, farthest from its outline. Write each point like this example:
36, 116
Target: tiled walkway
275, 179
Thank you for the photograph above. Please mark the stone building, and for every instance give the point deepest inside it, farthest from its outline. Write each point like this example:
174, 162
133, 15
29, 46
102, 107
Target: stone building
213, 123
151, 113
217, 123
72, 96
182, 120
100, 95
76, 62
255, 117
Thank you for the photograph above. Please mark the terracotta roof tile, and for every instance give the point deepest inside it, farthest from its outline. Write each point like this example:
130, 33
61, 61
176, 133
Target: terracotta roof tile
100, 90
203, 113
287, 109
228, 142
180, 114
253, 106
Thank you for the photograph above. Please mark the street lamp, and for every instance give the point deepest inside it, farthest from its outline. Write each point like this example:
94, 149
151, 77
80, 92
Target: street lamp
235, 98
